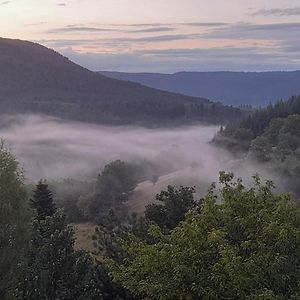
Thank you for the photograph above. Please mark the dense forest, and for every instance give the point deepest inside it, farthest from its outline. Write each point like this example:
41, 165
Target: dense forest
237, 242
270, 136
35, 79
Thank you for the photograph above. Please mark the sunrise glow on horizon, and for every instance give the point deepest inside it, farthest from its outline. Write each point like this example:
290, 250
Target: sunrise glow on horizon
161, 35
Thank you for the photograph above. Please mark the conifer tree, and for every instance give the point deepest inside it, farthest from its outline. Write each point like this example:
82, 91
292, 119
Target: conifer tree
43, 201
53, 269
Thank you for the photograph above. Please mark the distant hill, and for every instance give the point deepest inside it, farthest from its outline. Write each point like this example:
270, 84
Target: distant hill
230, 88
34, 78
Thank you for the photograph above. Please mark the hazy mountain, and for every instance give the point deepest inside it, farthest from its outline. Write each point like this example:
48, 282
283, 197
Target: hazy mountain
231, 88
34, 78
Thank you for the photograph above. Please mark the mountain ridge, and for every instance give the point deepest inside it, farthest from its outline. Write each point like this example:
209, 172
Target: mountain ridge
228, 87
34, 78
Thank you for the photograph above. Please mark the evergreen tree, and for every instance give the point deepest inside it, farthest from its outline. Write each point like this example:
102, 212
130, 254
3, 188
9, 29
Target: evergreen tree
53, 270
43, 201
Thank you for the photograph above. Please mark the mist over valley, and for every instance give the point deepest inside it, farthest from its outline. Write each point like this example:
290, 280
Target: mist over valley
173, 175
54, 149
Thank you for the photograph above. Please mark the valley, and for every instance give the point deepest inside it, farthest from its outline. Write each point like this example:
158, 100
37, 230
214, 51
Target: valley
149, 150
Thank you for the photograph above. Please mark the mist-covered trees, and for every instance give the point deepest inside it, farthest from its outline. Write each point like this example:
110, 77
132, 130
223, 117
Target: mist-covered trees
68, 194
261, 148
248, 247
270, 136
279, 148
236, 134
14, 219
87, 200
238, 243
111, 191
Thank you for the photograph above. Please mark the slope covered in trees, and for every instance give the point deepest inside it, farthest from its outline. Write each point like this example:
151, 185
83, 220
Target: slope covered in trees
34, 78
270, 136
231, 88
239, 134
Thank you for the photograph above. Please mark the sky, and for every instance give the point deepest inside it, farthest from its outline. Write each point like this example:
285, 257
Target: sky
162, 35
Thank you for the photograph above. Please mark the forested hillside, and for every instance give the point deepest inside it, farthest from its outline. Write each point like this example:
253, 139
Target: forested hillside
270, 136
231, 88
37, 79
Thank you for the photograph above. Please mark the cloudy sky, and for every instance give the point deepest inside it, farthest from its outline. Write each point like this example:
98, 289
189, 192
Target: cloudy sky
162, 35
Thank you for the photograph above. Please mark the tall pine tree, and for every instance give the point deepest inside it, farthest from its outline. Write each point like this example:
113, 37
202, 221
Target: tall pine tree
53, 270
43, 201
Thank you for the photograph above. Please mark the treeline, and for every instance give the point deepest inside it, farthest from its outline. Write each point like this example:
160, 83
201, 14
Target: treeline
236, 243
153, 112
237, 136
270, 136
260, 119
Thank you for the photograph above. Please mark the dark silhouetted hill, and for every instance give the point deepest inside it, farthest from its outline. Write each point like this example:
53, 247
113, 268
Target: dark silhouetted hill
36, 79
230, 88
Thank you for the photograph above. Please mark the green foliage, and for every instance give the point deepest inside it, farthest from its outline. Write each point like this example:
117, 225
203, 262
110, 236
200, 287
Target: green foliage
67, 195
14, 219
42, 201
272, 131
175, 204
110, 289
109, 236
248, 247
283, 135
292, 126
113, 229
53, 269
256, 123
261, 148
110, 228
261, 118
275, 140
113, 187
88, 200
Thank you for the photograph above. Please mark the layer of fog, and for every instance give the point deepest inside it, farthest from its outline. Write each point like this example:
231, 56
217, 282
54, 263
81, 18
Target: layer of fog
50, 148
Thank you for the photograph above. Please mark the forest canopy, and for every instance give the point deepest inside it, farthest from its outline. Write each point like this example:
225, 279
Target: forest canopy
270, 136
237, 242
247, 247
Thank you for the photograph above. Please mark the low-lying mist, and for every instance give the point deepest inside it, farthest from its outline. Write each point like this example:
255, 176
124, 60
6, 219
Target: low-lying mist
53, 149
